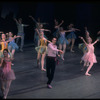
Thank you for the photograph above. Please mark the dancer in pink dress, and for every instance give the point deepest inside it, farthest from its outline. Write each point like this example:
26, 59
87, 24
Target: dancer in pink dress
6, 73
89, 56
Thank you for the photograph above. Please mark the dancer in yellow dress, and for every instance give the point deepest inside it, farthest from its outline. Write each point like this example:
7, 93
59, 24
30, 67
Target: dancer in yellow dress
41, 50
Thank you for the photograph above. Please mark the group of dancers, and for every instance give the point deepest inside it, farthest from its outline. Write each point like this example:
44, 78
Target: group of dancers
45, 49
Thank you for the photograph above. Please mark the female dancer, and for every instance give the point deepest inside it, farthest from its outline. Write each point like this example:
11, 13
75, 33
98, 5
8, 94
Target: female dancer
12, 46
71, 36
4, 44
57, 27
39, 25
41, 49
89, 56
84, 47
62, 41
6, 73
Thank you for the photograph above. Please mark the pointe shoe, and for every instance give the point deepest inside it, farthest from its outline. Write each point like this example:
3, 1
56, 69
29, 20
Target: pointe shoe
4, 97
43, 69
87, 74
12, 64
49, 86
72, 51
21, 50
62, 58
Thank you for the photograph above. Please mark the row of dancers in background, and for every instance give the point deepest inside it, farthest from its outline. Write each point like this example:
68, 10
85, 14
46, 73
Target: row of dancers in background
44, 47
87, 47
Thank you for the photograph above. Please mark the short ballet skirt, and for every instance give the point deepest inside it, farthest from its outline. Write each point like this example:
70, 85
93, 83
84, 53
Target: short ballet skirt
13, 45
90, 57
41, 49
71, 35
7, 75
62, 40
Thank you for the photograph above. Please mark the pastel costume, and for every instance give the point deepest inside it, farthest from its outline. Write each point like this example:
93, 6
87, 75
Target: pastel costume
62, 39
13, 44
89, 56
71, 35
43, 46
6, 73
36, 36
4, 45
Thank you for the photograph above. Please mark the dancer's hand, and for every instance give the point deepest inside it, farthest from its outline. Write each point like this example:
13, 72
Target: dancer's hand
15, 36
98, 32
58, 55
62, 21
80, 37
61, 51
7, 34
98, 40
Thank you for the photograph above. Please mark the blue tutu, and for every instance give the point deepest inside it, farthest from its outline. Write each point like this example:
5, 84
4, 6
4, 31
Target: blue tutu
13, 45
62, 40
71, 35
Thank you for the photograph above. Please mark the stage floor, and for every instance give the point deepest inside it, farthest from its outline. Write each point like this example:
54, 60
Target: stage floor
69, 81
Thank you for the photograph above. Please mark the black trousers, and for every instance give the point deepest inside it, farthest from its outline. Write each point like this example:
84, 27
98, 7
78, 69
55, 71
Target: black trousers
50, 68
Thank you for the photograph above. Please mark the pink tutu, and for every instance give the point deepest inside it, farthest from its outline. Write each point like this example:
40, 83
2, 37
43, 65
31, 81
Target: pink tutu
7, 75
90, 57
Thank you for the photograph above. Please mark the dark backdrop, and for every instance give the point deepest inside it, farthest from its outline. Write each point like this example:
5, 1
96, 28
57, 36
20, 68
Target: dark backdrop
80, 13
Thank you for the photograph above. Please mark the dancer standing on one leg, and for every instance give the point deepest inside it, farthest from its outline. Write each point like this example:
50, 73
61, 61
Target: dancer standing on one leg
82, 46
6, 73
89, 56
51, 61
20, 27
41, 49
71, 36
62, 41
12, 46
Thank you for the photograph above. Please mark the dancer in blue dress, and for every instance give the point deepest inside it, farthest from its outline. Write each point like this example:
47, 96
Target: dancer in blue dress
12, 46
62, 41
72, 36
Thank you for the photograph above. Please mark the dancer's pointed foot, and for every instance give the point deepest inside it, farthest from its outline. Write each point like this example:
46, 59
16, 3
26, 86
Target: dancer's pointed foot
72, 51
43, 69
62, 58
87, 74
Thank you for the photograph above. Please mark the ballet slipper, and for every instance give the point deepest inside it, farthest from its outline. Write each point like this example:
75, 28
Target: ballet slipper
43, 69
87, 74
72, 51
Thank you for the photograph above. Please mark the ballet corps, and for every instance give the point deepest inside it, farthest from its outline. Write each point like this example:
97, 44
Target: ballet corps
45, 48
